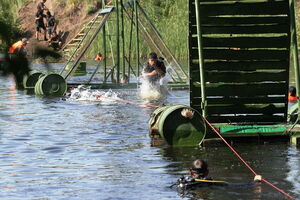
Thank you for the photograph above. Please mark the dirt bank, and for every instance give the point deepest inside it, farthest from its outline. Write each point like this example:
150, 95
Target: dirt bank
70, 20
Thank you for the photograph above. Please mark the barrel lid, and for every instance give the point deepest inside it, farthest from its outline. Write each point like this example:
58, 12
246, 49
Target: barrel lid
51, 85
31, 79
179, 129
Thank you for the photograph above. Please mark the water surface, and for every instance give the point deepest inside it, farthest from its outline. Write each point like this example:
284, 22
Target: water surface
51, 148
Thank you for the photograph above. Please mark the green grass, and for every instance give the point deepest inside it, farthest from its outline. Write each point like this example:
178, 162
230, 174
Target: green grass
10, 28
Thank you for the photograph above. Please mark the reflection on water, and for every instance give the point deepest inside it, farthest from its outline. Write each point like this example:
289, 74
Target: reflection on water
57, 149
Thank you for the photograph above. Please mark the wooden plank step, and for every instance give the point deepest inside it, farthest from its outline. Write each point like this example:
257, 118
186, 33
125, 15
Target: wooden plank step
243, 100
251, 29
229, 54
245, 77
246, 8
73, 44
241, 65
94, 22
267, 109
239, 20
244, 119
233, 1
79, 39
246, 90
245, 42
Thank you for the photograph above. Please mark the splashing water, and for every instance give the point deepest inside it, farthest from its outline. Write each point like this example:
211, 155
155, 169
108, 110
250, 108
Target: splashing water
82, 93
151, 91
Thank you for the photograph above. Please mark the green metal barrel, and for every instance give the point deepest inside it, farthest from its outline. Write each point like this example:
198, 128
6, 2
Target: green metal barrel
179, 125
30, 80
81, 70
51, 85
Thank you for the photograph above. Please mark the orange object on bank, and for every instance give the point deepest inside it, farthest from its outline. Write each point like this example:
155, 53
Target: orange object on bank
99, 57
292, 99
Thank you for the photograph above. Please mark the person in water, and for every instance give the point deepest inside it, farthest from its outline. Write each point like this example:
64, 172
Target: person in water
292, 98
199, 169
99, 57
154, 69
198, 177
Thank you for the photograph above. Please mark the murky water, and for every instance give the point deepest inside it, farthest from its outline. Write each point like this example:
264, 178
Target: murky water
51, 148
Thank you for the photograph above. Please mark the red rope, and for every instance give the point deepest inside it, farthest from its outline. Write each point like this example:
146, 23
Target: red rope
247, 165
130, 102
213, 128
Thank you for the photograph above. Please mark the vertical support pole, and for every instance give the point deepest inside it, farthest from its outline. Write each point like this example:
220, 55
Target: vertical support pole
104, 47
104, 53
118, 41
294, 49
130, 43
123, 41
137, 39
201, 65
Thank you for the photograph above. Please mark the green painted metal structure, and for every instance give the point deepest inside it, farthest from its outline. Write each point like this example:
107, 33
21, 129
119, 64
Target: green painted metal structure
115, 16
240, 57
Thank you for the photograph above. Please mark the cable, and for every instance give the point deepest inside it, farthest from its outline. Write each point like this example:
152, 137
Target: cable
247, 165
130, 102
213, 128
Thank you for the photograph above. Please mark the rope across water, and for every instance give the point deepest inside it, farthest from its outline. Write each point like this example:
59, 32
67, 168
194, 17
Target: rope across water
247, 165
213, 128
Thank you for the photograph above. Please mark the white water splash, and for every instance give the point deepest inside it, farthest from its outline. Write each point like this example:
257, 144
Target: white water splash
150, 91
82, 93
293, 164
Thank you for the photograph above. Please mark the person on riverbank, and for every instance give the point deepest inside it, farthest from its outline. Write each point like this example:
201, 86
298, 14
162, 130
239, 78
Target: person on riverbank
51, 24
39, 22
41, 5
19, 48
55, 41
292, 98
99, 57
154, 69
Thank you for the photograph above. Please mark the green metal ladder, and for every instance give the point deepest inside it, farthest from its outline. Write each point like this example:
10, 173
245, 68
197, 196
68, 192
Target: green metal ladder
155, 42
83, 40
240, 59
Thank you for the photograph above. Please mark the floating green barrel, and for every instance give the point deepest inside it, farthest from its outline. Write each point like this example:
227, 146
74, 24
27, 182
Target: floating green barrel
179, 125
50, 85
30, 80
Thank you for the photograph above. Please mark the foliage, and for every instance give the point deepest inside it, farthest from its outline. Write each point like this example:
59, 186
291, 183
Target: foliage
17, 65
10, 29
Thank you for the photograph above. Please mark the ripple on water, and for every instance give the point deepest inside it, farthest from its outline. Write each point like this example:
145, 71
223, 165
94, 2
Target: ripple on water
54, 149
